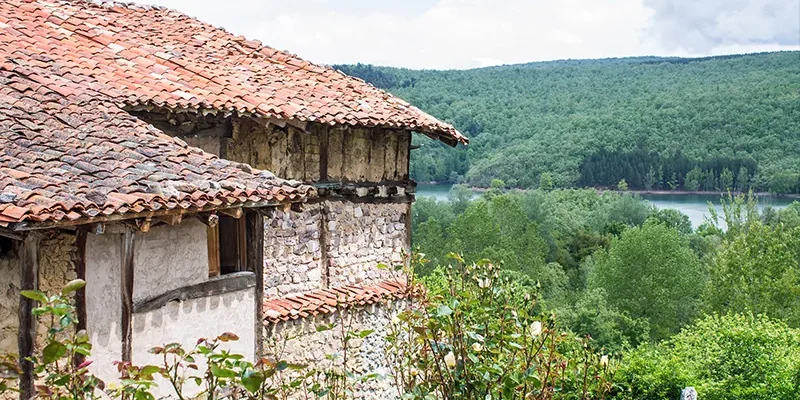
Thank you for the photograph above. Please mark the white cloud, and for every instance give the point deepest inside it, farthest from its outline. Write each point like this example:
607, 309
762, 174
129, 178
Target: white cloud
475, 33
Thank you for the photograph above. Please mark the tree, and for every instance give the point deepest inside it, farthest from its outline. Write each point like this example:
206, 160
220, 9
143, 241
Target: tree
459, 197
758, 271
546, 181
673, 219
693, 179
622, 185
726, 180
727, 357
650, 272
743, 179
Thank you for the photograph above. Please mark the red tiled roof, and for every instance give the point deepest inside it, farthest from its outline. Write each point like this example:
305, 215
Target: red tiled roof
324, 301
140, 55
68, 155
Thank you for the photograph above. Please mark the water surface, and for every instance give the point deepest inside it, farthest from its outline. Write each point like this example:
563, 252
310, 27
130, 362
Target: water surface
693, 205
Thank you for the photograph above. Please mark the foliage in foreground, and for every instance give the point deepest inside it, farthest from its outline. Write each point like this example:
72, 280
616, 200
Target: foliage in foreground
477, 335
729, 357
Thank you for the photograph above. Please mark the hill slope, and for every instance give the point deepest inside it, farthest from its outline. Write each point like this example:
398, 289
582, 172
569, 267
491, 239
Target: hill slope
660, 123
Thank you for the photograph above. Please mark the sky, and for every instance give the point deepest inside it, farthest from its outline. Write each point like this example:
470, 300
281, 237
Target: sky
459, 34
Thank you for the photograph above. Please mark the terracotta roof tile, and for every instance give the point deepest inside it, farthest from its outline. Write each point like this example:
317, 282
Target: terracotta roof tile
323, 301
67, 158
141, 55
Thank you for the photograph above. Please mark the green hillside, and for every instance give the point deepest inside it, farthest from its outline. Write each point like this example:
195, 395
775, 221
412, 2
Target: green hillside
659, 123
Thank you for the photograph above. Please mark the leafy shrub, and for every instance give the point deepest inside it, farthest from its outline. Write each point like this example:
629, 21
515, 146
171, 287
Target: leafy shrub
724, 357
478, 336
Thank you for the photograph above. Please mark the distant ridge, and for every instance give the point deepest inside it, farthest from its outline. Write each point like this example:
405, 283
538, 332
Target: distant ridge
649, 120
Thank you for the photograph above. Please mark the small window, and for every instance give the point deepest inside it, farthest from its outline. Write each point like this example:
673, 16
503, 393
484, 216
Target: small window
6, 246
227, 246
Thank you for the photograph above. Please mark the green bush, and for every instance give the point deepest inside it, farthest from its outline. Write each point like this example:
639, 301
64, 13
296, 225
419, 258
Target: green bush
474, 334
731, 357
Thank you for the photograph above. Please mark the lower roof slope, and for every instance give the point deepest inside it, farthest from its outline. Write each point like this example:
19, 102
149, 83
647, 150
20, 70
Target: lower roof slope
70, 156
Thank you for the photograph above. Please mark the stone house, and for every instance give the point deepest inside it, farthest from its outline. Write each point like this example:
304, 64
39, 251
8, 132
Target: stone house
147, 176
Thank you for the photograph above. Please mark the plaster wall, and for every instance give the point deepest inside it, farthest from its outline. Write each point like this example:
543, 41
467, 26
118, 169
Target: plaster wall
168, 257
186, 321
103, 302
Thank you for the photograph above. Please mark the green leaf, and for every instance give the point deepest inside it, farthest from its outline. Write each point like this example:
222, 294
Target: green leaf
365, 333
34, 295
72, 286
252, 381
443, 311
53, 351
220, 372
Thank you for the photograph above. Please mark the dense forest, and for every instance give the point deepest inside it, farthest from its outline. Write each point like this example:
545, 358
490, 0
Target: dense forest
710, 124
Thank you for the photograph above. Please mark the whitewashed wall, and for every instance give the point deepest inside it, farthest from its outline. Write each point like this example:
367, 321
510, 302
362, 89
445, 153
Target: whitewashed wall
185, 322
103, 302
169, 257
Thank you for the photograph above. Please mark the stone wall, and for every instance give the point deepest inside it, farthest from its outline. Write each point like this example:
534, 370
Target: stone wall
298, 341
56, 268
292, 251
360, 236
300, 257
10, 274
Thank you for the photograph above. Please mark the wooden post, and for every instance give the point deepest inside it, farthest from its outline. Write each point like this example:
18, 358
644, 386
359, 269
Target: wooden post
126, 291
254, 236
80, 295
29, 255
323, 154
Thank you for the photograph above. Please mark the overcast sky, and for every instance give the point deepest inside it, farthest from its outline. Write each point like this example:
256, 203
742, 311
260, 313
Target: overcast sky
475, 33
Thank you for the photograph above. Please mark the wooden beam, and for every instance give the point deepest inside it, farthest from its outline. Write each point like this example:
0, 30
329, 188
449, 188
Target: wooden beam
126, 292
233, 212
171, 219
211, 220
254, 234
29, 255
80, 296
27, 226
11, 235
213, 287
212, 233
139, 224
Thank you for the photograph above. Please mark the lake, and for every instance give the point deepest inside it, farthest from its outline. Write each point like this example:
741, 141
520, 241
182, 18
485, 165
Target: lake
693, 205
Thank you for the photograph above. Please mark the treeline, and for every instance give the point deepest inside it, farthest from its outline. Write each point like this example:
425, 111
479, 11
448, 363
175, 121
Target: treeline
596, 122
645, 170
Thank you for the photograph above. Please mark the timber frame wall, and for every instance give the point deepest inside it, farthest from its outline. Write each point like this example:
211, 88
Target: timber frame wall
308, 152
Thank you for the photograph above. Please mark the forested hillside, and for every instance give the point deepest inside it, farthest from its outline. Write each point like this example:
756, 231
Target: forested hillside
718, 123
